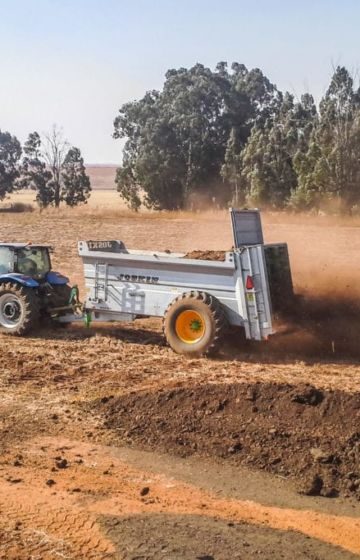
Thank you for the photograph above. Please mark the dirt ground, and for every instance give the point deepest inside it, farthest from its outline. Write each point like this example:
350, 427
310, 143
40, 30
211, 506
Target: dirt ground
112, 446
252, 424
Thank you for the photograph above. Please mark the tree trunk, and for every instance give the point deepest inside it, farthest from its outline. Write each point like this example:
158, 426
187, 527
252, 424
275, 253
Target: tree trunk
57, 194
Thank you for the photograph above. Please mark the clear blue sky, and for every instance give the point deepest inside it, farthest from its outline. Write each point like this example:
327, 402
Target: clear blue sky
74, 62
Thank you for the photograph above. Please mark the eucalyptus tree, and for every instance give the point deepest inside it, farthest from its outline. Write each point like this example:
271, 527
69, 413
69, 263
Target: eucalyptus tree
10, 153
331, 166
177, 138
54, 170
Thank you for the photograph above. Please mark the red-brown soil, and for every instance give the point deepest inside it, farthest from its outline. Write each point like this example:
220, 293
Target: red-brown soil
52, 383
294, 431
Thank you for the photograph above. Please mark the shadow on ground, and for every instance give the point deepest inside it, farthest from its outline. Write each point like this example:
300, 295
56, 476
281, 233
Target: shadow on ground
180, 537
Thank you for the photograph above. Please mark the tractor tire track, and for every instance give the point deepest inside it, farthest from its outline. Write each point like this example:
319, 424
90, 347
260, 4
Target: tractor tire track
65, 530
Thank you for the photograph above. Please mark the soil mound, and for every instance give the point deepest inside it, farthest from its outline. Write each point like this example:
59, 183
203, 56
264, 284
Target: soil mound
299, 432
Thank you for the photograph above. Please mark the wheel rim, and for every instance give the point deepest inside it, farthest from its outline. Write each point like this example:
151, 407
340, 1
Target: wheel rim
10, 311
190, 326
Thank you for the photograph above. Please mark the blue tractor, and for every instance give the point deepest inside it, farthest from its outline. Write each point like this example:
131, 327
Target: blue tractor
29, 290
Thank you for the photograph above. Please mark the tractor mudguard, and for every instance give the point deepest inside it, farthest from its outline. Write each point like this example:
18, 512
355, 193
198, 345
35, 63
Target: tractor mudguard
56, 279
21, 279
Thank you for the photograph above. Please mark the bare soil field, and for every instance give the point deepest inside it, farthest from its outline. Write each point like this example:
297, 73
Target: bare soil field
112, 446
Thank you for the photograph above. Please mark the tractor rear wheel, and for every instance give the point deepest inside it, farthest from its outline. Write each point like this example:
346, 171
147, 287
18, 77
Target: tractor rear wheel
19, 309
194, 324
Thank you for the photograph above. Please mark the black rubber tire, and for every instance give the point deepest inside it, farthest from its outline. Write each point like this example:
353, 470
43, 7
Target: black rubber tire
214, 319
29, 307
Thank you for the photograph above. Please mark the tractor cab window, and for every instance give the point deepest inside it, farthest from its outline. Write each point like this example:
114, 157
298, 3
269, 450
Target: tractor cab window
33, 261
6, 260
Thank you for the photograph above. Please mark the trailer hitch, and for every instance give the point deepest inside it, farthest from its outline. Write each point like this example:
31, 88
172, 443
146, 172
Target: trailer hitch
74, 298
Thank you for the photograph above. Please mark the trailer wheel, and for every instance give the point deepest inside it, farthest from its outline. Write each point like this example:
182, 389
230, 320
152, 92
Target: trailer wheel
194, 324
19, 309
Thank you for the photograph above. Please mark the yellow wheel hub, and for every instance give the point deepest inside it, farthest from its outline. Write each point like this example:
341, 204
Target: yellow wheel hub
189, 326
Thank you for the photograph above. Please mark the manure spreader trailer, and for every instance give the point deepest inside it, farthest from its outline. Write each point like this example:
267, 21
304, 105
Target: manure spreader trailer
199, 300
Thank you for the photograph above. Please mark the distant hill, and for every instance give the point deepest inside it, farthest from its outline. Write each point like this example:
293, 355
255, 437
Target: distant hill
102, 177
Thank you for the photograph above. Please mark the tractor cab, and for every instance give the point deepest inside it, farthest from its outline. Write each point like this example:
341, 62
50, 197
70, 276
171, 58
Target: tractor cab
29, 290
28, 260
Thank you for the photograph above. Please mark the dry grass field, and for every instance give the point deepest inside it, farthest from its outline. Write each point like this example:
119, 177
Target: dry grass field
80, 479
100, 199
102, 178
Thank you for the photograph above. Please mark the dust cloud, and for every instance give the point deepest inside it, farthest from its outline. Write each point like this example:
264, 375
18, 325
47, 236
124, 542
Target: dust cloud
324, 254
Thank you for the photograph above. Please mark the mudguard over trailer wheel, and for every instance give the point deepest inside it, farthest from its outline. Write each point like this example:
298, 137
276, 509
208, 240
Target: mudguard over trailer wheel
19, 309
194, 324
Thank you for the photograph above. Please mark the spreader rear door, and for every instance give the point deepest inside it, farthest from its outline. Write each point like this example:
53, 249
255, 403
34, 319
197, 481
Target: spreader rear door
246, 226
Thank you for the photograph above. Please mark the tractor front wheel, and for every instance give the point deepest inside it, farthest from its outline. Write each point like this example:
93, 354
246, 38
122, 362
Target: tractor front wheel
194, 324
19, 309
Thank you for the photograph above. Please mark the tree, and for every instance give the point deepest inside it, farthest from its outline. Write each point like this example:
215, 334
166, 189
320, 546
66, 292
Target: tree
34, 174
54, 152
127, 187
75, 187
10, 152
330, 168
230, 134
231, 168
56, 173
176, 139
267, 161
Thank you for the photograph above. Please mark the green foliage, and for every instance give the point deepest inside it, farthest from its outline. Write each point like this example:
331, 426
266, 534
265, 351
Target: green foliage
331, 166
127, 187
56, 173
267, 161
233, 137
306, 195
231, 169
34, 174
176, 139
10, 152
76, 186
